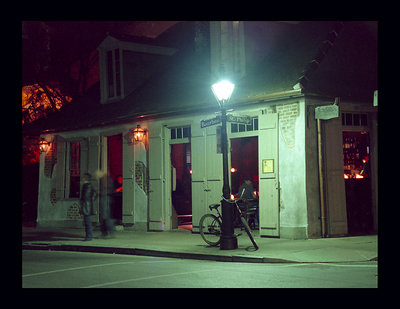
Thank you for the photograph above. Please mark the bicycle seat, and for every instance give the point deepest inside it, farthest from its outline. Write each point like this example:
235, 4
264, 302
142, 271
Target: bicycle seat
214, 206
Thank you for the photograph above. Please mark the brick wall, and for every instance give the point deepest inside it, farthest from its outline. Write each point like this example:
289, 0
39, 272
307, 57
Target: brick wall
141, 175
73, 212
287, 122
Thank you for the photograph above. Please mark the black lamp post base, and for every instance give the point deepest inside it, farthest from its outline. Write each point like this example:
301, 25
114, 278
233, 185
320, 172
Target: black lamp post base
228, 242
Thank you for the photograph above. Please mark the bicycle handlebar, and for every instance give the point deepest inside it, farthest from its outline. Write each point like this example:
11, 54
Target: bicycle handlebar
228, 200
238, 200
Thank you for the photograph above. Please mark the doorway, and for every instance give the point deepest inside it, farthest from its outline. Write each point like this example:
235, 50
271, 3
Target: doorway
114, 163
181, 186
244, 161
356, 157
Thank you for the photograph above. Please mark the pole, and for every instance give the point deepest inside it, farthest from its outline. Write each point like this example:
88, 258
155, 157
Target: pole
228, 238
321, 181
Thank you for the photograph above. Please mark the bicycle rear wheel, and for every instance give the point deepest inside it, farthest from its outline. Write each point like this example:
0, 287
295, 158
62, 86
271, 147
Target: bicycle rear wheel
210, 229
248, 231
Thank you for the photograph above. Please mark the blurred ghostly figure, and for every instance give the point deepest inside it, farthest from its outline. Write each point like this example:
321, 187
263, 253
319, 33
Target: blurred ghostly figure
106, 222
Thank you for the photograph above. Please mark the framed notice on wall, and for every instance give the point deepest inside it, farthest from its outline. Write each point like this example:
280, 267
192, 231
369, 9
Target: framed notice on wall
268, 166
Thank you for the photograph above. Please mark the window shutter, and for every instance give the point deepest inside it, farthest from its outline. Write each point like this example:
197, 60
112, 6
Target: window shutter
60, 167
84, 157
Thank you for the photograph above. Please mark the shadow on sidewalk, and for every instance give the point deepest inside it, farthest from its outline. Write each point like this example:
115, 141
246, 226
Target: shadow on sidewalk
50, 236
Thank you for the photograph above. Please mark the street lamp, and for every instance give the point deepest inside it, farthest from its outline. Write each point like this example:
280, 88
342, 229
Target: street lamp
223, 91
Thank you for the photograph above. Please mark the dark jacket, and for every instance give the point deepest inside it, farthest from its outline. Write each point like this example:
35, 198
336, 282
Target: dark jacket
88, 195
246, 191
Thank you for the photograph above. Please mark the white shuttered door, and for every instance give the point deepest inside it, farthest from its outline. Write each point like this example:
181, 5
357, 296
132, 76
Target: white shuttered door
268, 175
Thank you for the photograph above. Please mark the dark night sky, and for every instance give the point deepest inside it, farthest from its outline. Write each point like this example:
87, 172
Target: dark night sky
68, 40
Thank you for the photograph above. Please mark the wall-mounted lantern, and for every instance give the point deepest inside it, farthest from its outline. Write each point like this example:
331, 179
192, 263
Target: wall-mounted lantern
44, 145
136, 135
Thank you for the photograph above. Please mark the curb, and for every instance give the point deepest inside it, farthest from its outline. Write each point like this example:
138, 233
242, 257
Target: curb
155, 253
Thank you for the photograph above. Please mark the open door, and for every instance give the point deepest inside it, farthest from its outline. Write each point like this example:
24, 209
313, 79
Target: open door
114, 158
156, 214
181, 186
268, 174
335, 187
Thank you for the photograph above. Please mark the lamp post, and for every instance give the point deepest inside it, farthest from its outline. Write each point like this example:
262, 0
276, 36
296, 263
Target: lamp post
223, 91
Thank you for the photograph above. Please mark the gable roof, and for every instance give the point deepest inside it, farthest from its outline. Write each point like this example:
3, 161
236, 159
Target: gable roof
350, 68
277, 56
137, 44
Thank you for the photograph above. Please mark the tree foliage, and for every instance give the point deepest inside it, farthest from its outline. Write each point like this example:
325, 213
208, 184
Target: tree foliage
38, 100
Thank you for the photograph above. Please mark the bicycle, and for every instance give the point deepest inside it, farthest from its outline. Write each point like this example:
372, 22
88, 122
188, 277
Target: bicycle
210, 225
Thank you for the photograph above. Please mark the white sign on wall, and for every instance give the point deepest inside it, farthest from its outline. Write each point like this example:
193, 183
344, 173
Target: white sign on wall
327, 112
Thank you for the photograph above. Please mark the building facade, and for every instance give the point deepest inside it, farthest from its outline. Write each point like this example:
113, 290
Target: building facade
298, 163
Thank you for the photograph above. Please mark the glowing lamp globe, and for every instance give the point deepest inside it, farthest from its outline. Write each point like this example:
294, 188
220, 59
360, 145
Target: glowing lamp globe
223, 90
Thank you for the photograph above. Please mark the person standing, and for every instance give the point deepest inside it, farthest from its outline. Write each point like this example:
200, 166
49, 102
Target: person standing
249, 199
246, 190
88, 195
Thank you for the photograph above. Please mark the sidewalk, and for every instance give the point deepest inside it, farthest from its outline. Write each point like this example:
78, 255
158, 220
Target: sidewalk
184, 244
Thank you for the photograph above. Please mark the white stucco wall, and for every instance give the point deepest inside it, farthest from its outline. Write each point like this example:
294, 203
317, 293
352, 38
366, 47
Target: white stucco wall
293, 203
293, 210
53, 212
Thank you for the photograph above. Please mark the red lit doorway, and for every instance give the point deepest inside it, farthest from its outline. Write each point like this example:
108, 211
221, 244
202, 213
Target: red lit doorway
244, 161
357, 177
181, 188
114, 163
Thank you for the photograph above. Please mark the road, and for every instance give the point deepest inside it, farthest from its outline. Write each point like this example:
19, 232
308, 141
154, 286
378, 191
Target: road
57, 269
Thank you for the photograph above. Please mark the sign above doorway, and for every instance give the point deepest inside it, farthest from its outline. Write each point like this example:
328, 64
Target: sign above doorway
239, 119
210, 122
230, 118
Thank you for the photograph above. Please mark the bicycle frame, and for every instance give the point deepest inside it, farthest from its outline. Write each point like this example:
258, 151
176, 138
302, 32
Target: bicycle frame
214, 206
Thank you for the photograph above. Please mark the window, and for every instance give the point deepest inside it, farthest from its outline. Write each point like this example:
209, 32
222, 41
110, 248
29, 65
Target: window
117, 73
239, 127
110, 78
113, 73
354, 119
180, 132
74, 169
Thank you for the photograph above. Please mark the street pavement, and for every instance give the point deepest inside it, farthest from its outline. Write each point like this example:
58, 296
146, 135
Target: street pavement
184, 244
70, 269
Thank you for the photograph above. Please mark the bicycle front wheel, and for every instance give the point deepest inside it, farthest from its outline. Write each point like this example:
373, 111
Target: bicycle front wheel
210, 229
